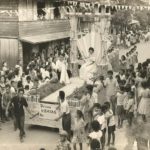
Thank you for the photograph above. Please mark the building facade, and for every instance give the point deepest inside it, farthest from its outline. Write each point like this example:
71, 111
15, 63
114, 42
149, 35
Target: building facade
28, 26
33, 26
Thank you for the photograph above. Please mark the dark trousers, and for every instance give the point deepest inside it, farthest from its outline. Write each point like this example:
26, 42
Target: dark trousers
113, 102
66, 124
59, 74
103, 138
19, 123
1, 111
130, 116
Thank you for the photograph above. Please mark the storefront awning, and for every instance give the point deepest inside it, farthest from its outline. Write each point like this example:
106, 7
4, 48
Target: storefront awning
45, 38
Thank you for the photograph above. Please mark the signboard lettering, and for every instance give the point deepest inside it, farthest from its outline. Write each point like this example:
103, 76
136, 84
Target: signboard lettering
48, 111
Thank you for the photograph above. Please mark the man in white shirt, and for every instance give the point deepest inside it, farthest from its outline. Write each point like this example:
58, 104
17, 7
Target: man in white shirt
19, 67
111, 89
122, 74
12, 87
65, 113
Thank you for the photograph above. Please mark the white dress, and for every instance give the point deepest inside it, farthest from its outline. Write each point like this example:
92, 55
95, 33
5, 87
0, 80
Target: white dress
88, 69
54, 66
62, 67
101, 92
144, 104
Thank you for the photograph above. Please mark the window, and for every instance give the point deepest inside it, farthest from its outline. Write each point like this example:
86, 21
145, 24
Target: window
56, 10
107, 9
40, 9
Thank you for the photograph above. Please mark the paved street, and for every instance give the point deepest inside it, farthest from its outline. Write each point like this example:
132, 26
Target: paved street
38, 137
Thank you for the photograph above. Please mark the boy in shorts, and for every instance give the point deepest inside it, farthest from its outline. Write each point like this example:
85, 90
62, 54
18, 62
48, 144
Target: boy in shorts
111, 124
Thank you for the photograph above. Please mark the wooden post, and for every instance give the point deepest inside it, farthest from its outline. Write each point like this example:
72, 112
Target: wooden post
20, 51
73, 43
47, 6
34, 7
105, 26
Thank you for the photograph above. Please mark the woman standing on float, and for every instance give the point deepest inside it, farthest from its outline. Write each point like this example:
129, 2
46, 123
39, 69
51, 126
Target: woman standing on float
89, 68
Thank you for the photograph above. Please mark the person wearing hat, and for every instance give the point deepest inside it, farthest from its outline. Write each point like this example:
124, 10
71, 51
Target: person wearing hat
63, 143
65, 113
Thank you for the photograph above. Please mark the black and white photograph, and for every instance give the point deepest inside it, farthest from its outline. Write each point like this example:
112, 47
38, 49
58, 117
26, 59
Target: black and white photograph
74, 74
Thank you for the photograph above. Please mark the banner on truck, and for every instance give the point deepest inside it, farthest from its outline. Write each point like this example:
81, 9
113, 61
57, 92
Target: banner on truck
48, 111
33, 103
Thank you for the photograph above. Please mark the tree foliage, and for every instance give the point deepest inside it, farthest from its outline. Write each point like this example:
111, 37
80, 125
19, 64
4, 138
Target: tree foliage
121, 17
143, 17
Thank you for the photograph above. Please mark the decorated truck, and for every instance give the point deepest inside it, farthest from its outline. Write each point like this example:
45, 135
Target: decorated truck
43, 102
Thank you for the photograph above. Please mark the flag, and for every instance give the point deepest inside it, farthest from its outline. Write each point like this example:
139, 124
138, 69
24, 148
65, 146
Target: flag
141, 8
130, 7
138, 7
126, 7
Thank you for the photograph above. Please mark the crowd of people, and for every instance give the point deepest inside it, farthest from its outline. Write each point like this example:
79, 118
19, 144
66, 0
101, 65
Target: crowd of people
15, 84
106, 104
128, 38
111, 102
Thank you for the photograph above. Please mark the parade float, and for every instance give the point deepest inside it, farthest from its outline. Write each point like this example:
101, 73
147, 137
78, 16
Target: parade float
89, 27
45, 109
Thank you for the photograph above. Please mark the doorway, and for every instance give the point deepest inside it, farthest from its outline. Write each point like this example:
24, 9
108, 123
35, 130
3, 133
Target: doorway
43, 51
27, 54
